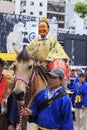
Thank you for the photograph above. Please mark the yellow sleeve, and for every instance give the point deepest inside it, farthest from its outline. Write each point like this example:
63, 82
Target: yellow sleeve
56, 51
31, 45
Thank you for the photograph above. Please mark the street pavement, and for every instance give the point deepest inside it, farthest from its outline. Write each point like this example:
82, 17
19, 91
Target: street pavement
30, 126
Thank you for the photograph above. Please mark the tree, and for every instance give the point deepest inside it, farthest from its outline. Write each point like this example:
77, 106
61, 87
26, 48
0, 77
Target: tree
81, 9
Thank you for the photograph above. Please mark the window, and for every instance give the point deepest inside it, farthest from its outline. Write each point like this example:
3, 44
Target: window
31, 13
40, 13
61, 25
41, 4
31, 3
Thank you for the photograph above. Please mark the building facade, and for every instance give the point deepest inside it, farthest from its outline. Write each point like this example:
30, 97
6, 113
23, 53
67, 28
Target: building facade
61, 10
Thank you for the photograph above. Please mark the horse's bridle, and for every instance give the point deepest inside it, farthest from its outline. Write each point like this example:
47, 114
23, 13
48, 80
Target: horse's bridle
27, 83
22, 79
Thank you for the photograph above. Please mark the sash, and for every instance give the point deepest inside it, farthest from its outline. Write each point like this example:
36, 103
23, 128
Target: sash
48, 102
45, 104
41, 128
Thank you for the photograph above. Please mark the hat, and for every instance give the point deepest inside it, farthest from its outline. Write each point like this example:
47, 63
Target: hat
73, 68
81, 74
57, 73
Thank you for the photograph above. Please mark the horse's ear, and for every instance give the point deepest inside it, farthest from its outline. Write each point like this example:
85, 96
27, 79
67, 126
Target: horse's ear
30, 54
16, 49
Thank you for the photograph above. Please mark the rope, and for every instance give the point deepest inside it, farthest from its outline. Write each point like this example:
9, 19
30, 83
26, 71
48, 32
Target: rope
19, 126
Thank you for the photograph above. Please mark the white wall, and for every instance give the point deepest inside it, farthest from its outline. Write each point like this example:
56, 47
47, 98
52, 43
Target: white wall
36, 8
80, 25
7, 7
17, 6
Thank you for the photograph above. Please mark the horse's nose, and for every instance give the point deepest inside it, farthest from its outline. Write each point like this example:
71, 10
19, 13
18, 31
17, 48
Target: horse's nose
19, 96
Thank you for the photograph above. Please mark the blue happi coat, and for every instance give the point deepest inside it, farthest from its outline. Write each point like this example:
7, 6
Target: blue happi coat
80, 94
56, 115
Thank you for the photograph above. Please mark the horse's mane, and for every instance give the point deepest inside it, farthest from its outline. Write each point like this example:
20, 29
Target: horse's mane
23, 55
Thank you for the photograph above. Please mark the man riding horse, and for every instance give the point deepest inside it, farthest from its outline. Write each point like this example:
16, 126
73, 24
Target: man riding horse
46, 50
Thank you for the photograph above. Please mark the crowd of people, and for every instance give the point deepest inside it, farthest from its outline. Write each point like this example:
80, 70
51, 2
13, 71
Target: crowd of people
52, 107
78, 84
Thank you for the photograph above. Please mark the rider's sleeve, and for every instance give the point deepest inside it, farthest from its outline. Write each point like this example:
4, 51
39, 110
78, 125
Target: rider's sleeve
56, 51
31, 45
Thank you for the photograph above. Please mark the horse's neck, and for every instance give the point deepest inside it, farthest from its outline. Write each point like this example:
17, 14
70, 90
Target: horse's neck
37, 85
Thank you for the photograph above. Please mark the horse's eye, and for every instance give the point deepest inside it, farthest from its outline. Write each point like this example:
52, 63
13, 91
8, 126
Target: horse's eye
30, 67
14, 68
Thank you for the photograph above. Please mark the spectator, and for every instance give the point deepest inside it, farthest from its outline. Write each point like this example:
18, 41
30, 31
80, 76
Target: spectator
80, 101
86, 74
72, 74
78, 70
70, 86
8, 107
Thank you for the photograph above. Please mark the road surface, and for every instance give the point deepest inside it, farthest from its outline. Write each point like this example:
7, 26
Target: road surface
30, 126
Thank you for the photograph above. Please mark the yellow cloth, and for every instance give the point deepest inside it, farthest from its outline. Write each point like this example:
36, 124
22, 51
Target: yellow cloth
36, 128
49, 49
78, 99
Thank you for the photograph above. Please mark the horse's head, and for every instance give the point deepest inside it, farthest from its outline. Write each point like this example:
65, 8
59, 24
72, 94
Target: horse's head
23, 73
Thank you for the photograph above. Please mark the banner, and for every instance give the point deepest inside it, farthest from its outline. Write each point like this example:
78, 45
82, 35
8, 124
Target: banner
8, 56
18, 29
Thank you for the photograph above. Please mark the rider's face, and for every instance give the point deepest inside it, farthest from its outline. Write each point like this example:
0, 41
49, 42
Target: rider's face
43, 29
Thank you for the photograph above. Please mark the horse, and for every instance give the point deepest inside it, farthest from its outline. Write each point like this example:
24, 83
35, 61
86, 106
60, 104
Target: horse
29, 80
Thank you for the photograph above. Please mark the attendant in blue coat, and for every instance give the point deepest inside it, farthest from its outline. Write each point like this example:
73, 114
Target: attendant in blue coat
57, 115
80, 101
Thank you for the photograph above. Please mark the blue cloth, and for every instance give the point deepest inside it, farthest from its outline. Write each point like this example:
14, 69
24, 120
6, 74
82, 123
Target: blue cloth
12, 110
76, 80
80, 90
57, 115
72, 81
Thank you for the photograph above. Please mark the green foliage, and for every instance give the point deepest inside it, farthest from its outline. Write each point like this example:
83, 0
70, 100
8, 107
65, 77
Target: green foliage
81, 9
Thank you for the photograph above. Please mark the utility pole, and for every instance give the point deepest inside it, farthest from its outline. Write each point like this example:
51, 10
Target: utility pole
72, 53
